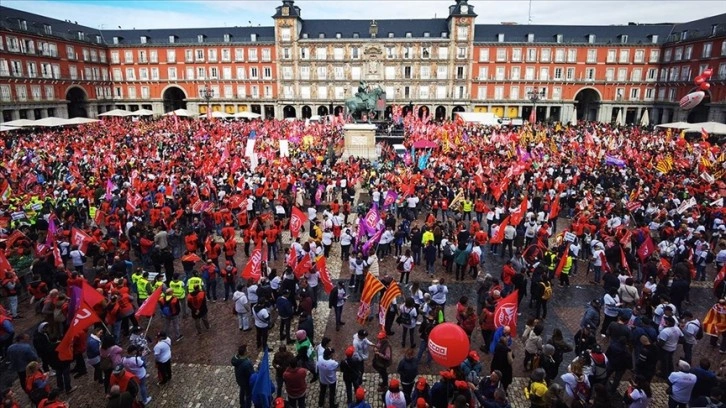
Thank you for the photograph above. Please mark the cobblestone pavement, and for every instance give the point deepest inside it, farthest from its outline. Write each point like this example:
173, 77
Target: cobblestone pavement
203, 376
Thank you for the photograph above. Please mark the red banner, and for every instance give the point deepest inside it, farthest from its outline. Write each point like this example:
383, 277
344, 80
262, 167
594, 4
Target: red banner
252, 269
148, 308
91, 295
519, 213
292, 258
83, 319
303, 267
646, 249
505, 313
324, 275
497, 239
563, 262
297, 219
80, 238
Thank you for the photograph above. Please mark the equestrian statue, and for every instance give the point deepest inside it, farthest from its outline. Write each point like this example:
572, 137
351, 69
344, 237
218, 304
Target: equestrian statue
364, 101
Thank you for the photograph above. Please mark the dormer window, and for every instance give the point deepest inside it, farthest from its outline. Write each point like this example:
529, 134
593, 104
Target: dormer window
624, 39
47, 29
143, 39
81, 36
444, 34
558, 38
654, 39
464, 9
321, 35
356, 35
530, 38
305, 35
591, 38
684, 35
253, 37
172, 39
23, 24
338, 35
227, 38
117, 40
200, 38
390, 35
99, 40
426, 34
500, 37
714, 29
408, 34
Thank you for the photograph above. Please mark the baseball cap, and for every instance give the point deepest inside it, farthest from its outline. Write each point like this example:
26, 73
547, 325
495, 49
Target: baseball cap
381, 335
421, 384
394, 383
474, 355
420, 403
349, 351
360, 394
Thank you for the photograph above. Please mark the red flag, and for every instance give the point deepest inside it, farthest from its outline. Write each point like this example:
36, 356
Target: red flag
324, 275
604, 262
304, 266
148, 308
84, 318
555, 209
518, 215
500, 188
646, 249
292, 258
563, 261
58, 259
80, 238
497, 239
14, 237
252, 269
191, 258
297, 219
719, 278
91, 295
533, 116
505, 312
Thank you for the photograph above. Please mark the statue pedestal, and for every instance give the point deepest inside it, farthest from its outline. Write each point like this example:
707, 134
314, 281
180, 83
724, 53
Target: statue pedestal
360, 141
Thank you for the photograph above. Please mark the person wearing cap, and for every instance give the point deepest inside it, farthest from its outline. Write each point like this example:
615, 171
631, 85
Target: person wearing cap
360, 399
382, 358
443, 390
135, 364
352, 370
169, 306
394, 397
422, 392
471, 367
408, 371
124, 380
681, 384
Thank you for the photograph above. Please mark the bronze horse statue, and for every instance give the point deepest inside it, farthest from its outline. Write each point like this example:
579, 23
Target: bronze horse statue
363, 102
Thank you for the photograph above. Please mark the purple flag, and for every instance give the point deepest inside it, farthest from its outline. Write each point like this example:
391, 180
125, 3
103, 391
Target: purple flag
371, 220
319, 194
391, 197
373, 240
359, 239
614, 161
74, 302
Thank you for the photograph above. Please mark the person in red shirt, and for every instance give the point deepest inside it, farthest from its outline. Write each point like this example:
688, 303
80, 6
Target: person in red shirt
508, 273
209, 275
228, 231
229, 276
230, 249
191, 242
212, 249
271, 236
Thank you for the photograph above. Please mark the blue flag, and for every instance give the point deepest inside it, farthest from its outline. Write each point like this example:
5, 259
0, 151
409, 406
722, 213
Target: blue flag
262, 389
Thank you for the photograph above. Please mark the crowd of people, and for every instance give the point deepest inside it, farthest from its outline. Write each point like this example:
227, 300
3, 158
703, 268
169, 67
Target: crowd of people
109, 219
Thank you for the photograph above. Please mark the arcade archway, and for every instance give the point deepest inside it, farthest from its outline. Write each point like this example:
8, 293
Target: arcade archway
289, 112
457, 108
588, 104
306, 112
77, 102
174, 98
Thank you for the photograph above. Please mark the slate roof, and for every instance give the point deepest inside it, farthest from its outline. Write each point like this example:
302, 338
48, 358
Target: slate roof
572, 34
700, 28
9, 19
189, 35
399, 28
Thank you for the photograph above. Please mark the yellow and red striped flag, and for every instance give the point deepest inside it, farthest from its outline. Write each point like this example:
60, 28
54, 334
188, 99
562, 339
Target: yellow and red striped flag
393, 291
371, 286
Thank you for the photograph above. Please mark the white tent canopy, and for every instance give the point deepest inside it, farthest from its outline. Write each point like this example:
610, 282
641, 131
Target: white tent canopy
573, 118
4, 128
220, 115
181, 112
116, 113
52, 122
142, 112
645, 119
619, 118
675, 125
19, 123
247, 115
81, 121
710, 127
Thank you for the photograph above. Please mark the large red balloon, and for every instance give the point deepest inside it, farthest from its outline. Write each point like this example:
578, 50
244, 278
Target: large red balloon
705, 86
699, 80
448, 344
707, 73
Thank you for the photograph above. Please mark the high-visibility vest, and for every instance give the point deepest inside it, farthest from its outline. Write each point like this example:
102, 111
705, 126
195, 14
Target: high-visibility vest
568, 265
157, 285
195, 282
467, 205
141, 286
178, 288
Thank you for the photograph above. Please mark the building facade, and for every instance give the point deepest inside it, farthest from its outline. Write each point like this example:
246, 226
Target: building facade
304, 67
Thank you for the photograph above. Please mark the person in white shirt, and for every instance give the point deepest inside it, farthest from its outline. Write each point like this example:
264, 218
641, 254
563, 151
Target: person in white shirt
682, 383
346, 239
77, 258
136, 365
262, 322
690, 328
312, 217
406, 261
668, 342
162, 356
438, 291
362, 345
384, 245
327, 369
636, 395
327, 241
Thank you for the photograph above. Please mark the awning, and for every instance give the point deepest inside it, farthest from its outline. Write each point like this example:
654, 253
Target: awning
116, 113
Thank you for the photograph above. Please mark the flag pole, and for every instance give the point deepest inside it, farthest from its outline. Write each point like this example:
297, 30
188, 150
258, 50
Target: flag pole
148, 325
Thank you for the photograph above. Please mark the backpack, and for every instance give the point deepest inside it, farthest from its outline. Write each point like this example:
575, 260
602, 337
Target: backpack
699, 333
166, 309
709, 257
404, 318
447, 249
547, 292
599, 370
581, 391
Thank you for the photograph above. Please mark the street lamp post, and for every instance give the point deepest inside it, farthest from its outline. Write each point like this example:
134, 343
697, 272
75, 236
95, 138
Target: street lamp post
534, 96
207, 95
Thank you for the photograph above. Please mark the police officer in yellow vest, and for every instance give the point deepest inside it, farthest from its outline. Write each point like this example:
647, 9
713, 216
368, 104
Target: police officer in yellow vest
158, 282
177, 285
195, 282
135, 278
143, 287
467, 206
